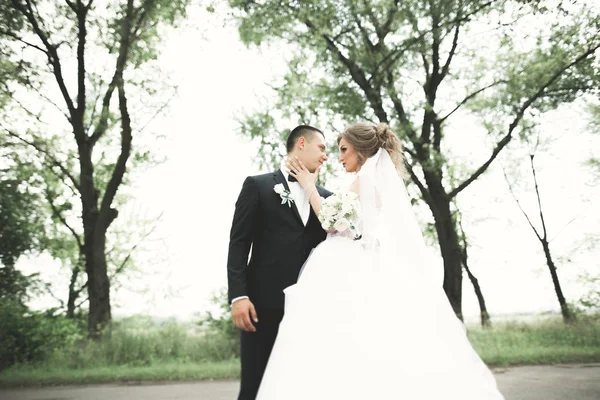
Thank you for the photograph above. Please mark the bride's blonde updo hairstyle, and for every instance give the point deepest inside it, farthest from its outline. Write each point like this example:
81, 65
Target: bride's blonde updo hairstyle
367, 139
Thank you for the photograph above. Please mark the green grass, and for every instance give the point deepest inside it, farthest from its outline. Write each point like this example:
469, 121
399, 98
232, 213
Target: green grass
172, 352
547, 341
43, 376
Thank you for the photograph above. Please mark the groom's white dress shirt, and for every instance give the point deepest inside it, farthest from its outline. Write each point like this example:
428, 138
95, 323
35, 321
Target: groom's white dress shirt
299, 196
300, 199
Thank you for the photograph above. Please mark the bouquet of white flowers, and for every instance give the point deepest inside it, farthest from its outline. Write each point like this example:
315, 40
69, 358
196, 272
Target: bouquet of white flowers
340, 211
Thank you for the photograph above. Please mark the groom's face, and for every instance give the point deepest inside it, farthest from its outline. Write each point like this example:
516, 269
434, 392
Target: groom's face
313, 151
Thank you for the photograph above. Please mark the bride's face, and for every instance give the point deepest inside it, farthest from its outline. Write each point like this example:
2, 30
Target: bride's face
348, 156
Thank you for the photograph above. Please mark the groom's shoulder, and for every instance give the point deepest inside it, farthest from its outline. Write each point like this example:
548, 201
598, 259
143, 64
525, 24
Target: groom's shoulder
260, 179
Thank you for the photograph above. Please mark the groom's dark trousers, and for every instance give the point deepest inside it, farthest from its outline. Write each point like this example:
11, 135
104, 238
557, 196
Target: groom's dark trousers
280, 243
256, 348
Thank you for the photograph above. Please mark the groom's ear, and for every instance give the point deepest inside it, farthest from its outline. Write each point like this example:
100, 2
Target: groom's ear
301, 142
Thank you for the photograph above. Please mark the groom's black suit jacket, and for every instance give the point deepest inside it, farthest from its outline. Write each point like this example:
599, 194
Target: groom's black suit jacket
280, 242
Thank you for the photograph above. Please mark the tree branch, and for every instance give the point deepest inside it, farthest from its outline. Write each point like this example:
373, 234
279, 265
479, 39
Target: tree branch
519, 204
157, 113
363, 31
384, 30
539, 198
84, 300
369, 10
451, 54
507, 138
102, 125
421, 40
125, 45
424, 192
48, 288
93, 111
62, 219
437, 133
471, 96
81, 42
399, 108
121, 267
17, 38
52, 54
357, 74
107, 214
46, 153
50, 101
24, 108
435, 44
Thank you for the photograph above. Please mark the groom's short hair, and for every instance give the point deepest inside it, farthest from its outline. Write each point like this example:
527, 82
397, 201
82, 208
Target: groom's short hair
301, 130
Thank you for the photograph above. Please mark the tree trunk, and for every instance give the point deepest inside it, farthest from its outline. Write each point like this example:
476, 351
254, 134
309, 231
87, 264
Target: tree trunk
73, 294
483, 313
564, 307
450, 250
449, 247
99, 315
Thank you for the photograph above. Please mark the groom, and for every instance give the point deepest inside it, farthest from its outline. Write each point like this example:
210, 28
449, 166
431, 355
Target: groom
282, 229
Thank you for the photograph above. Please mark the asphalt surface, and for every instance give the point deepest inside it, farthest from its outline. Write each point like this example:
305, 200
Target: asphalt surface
557, 382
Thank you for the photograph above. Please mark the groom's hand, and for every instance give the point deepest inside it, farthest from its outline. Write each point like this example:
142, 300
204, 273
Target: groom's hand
242, 314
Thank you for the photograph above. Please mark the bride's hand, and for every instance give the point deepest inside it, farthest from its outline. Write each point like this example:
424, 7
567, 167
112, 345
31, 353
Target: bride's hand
305, 178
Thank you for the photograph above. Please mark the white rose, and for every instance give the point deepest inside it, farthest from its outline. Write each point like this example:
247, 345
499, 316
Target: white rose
347, 208
326, 224
279, 188
341, 224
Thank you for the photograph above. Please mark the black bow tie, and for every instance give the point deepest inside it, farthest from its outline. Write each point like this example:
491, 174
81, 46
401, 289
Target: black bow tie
292, 178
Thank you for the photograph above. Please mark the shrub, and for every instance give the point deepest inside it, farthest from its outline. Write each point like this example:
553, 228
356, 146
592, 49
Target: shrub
28, 336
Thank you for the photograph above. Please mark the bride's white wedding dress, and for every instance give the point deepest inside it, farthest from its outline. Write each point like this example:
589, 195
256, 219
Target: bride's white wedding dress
366, 319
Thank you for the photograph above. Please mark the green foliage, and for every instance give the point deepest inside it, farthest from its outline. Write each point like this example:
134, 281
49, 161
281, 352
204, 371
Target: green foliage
32, 337
168, 371
21, 223
53, 341
16, 286
591, 299
138, 341
423, 67
142, 350
93, 53
219, 325
392, 61
542, 341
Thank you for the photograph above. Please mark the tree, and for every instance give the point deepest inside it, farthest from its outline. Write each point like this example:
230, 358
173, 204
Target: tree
96, 56
541, 232
20, 224
484, 315
423, 66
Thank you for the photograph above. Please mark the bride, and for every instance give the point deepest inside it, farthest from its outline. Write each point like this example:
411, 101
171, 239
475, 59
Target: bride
366, 319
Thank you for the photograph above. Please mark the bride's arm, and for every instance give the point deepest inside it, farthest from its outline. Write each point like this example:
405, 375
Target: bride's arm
314, 198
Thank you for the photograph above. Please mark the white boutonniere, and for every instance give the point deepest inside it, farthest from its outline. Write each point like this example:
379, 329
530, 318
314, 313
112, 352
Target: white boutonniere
286, 196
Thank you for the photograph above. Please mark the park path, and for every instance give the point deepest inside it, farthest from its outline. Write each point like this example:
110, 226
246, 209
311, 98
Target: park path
557, 382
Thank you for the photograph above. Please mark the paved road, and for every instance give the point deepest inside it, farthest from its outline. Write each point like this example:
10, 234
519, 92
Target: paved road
559, 382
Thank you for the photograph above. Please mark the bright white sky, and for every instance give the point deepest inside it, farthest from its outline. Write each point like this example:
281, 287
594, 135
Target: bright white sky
184, 263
